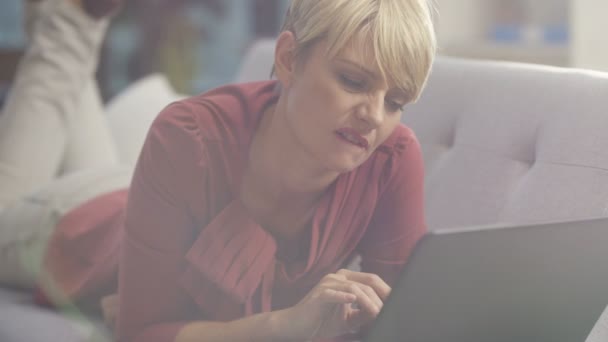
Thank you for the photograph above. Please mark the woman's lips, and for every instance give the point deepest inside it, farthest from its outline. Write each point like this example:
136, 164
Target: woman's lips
353, 137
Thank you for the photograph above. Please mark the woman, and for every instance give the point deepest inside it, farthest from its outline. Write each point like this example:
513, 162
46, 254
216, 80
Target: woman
247, 201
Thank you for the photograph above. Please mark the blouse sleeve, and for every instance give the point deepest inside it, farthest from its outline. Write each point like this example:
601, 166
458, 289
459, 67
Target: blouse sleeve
398, 221
159, 228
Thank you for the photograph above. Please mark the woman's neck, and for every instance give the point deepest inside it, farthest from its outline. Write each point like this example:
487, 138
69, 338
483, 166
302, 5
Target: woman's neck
282, 181
280, 161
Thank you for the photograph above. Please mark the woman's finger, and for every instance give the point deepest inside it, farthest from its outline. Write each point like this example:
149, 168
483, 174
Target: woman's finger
369, 291
357, 319
373, 280
333, 296
364, 302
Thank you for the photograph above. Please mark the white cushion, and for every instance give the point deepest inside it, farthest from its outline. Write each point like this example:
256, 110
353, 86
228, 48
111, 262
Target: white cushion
131, 113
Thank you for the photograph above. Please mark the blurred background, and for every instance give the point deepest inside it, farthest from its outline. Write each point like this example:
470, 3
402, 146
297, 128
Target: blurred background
568, 33
199, 43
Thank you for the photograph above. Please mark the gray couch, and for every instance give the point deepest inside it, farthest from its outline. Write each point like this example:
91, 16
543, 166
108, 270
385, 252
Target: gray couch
502, 143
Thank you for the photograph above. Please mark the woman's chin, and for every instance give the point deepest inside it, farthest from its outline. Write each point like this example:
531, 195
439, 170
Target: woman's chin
345, 164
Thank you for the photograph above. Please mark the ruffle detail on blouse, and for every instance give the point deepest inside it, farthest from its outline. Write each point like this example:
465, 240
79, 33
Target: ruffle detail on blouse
230, 258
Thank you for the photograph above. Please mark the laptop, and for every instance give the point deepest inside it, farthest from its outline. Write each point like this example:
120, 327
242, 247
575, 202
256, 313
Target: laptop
531, 283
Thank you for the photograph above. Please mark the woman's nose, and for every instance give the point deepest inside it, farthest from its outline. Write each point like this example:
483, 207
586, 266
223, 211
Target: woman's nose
372, 111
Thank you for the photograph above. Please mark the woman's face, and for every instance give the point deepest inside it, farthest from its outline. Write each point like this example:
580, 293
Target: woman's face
340, 110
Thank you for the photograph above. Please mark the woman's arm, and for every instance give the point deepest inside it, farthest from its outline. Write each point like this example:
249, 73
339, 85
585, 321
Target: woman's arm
266, 327
262, 327
324, 313
159, 230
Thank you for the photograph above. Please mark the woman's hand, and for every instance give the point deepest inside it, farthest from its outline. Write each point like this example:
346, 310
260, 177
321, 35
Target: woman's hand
341, 303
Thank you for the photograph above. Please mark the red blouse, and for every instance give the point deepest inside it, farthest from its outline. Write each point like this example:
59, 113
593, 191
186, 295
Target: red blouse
189, 251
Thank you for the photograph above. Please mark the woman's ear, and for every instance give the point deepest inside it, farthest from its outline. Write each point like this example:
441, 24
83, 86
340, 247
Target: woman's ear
285, 58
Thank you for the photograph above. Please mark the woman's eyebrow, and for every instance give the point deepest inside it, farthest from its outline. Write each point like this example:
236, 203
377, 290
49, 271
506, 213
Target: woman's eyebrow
397, 91
358, 66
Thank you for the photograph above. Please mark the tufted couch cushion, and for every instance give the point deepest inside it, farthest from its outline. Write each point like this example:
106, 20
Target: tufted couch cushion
512, 143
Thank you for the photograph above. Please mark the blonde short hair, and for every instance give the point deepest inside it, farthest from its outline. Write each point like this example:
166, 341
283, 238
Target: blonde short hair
400, 31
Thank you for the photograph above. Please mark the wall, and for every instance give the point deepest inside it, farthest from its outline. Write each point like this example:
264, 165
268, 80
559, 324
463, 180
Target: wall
590, 34
460, 21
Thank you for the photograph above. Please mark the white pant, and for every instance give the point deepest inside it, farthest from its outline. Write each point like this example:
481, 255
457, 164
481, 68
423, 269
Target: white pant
56, 150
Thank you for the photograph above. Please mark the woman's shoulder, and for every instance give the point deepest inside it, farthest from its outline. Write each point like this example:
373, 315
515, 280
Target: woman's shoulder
225, 114
400, 154
401, 144
401, 138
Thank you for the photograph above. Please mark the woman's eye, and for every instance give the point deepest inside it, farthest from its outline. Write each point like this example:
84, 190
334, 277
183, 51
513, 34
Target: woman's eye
394, 106
352, 83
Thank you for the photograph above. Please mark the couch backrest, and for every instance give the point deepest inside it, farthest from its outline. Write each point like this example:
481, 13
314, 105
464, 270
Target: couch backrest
512, 143
503, 142
258, 61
